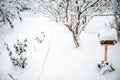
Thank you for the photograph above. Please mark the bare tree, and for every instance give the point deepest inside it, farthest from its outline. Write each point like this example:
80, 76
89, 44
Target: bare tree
75, 14
78, 18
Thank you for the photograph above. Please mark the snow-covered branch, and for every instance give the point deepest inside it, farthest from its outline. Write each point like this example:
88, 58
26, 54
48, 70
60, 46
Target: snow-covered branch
88, 5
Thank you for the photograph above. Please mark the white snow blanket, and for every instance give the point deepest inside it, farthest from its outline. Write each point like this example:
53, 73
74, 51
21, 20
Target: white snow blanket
108, 34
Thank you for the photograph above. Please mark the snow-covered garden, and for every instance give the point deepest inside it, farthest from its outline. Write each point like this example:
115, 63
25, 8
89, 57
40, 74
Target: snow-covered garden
36, 47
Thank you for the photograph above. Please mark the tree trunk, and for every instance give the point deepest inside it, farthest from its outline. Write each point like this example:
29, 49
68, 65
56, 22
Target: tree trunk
75, 39
67, 10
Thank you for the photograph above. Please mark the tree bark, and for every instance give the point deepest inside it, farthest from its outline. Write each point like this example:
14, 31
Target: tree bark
67, 10
75, 39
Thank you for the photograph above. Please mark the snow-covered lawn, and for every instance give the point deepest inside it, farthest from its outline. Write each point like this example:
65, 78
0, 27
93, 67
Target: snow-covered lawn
56, 58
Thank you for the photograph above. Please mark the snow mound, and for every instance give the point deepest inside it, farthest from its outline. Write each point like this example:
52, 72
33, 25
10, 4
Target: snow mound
108, 34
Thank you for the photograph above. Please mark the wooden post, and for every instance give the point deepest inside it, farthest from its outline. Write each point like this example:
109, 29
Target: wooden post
105, 52
107, 43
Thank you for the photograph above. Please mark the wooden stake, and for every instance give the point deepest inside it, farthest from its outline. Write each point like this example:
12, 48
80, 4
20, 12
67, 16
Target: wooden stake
105, 53
107, 43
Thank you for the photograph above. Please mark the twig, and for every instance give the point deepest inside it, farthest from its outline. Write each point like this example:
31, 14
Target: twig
11, 76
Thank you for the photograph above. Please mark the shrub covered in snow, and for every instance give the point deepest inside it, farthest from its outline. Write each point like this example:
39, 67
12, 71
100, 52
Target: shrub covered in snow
40, 38
117, 17
8, 12
17, 54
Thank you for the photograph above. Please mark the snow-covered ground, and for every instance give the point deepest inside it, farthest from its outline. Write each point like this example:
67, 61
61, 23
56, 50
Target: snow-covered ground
56, 58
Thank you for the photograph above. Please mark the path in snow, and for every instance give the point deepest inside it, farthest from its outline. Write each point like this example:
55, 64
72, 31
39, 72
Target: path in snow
68, 63
65, 62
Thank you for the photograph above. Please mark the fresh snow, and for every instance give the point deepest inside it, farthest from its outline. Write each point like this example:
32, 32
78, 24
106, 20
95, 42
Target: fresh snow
56, 58
108, 34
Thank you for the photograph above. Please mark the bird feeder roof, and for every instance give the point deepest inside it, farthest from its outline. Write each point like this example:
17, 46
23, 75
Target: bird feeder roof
108, 36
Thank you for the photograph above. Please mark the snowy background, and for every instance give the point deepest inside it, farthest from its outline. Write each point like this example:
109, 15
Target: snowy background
56, 58
48, 45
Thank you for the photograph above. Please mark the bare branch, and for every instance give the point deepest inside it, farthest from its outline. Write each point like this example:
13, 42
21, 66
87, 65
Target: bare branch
83, 27
68, 26
89, 6
11, 76
46, 7
85, 5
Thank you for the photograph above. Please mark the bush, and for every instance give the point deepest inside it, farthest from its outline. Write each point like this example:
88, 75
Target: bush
17, 55
40, 38
8, 12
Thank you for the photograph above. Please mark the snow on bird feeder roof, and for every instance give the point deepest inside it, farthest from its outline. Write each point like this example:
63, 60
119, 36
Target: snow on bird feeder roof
108, 35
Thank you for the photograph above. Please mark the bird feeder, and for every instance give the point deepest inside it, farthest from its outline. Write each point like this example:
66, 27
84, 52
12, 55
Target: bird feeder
108, 37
